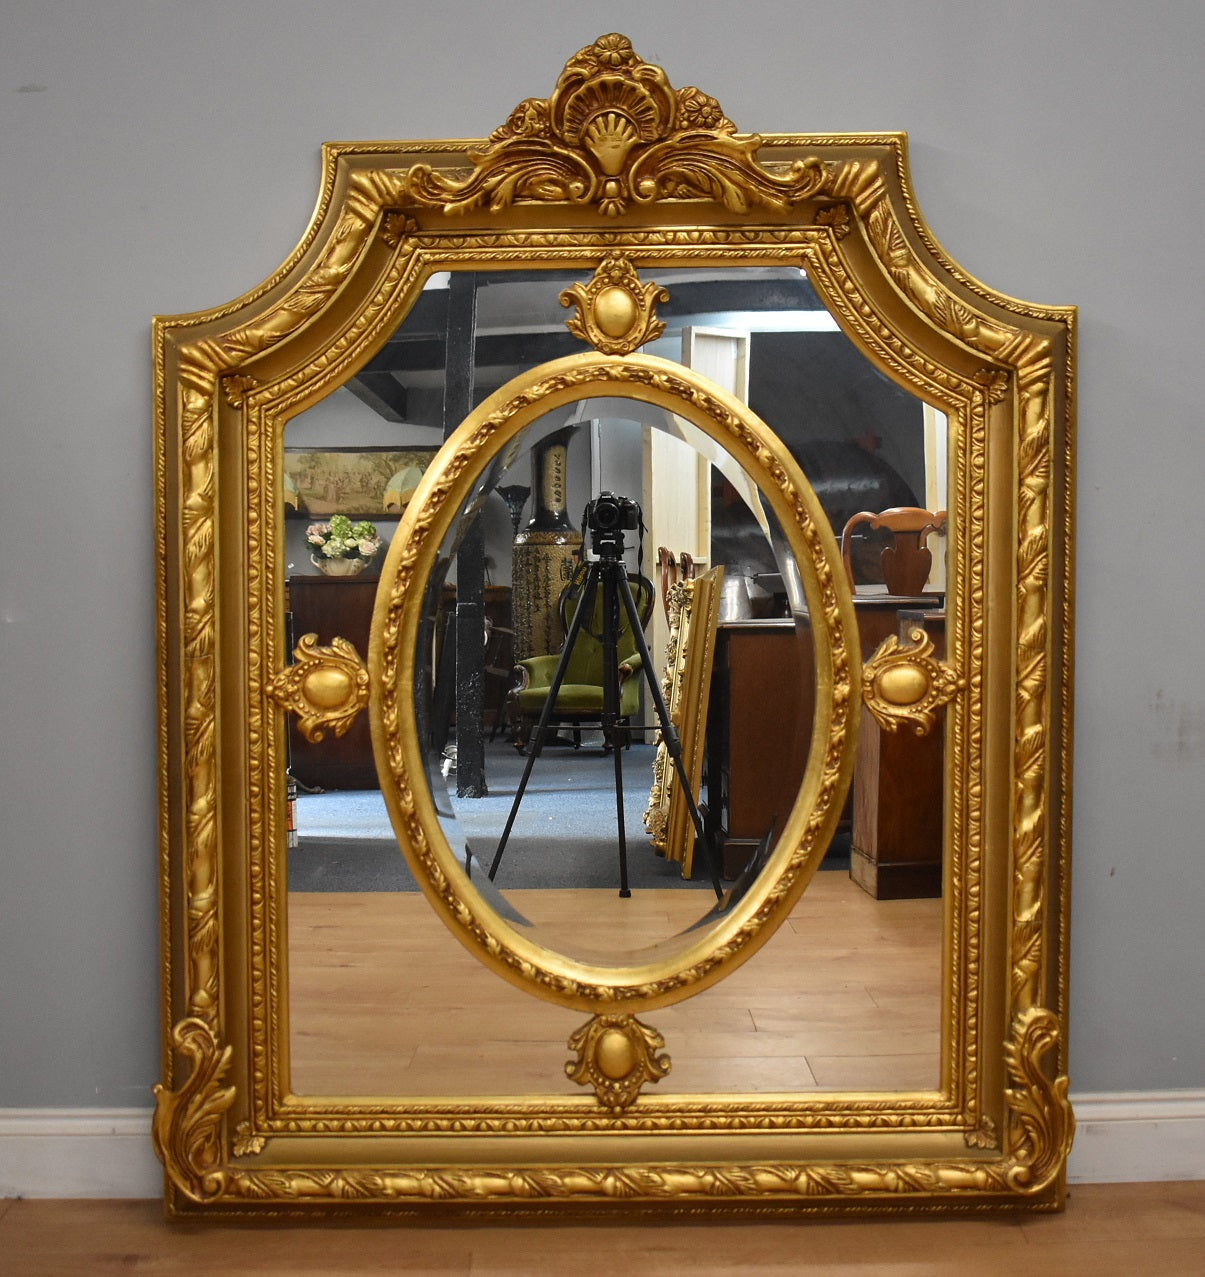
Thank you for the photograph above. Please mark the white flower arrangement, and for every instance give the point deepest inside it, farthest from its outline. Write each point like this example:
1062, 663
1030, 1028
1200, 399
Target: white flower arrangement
343, 539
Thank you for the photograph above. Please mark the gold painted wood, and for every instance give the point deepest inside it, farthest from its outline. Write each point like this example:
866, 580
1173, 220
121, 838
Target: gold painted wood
694, 607
326, 687
905, 685
615, 162
614, 311
616, 1055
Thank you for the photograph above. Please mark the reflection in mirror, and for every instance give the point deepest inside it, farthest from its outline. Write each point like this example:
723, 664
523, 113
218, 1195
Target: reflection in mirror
844, 996
562, 795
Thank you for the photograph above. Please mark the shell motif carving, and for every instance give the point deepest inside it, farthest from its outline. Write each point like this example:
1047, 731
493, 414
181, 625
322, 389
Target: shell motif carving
615, 132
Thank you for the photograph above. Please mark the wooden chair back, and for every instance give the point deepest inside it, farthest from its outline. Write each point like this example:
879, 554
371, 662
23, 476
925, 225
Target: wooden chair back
907, 560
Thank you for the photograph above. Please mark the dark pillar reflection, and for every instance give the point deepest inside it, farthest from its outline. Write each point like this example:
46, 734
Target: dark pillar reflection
470, 558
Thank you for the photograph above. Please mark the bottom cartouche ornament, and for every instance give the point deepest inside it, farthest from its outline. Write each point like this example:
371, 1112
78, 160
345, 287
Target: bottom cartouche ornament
617, 1055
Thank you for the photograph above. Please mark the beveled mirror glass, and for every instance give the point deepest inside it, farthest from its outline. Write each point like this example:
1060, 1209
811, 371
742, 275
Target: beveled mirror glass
440, 933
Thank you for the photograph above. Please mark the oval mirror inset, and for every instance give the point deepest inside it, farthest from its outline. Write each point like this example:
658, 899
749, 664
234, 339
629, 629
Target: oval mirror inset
542, 825
459, 483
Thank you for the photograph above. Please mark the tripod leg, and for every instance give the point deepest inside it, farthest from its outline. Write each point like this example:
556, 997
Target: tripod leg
585, 607
610, 713
669, 735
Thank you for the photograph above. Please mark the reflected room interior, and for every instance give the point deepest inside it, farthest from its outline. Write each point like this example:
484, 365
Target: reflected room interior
846, 995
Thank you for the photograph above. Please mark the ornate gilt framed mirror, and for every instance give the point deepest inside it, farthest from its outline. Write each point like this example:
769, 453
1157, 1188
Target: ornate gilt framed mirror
851, 993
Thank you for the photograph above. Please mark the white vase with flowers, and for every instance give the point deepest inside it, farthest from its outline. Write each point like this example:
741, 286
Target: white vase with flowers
341, 547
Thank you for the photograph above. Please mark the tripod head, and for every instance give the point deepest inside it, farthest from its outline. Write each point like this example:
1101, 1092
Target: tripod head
607, 518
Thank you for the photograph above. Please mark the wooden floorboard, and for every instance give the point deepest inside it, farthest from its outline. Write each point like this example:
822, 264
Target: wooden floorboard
846, 995
1108, 1230
383, 1000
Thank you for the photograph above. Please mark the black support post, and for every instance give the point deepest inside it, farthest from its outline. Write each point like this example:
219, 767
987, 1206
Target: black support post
470, 558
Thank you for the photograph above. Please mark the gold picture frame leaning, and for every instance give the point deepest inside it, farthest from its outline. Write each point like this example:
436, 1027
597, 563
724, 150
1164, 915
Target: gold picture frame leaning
694, 610
623, 178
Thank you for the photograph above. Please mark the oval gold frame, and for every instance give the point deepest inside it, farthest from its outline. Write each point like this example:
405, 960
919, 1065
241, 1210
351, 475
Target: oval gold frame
711, 953
691, 191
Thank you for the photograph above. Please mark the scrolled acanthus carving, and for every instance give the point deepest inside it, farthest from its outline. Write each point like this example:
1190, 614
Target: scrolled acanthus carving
186, 1128
615, 132
1040, 1117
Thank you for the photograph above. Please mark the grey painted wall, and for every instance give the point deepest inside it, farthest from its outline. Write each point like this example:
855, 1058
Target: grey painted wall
164, 157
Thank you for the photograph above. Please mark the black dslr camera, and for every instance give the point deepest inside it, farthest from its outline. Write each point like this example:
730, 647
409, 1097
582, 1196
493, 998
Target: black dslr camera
608, 517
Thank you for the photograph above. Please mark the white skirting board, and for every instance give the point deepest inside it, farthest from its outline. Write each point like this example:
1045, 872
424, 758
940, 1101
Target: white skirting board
78, 1153
1125, 1137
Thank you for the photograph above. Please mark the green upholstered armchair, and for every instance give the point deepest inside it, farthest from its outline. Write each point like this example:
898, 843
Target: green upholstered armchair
580, 699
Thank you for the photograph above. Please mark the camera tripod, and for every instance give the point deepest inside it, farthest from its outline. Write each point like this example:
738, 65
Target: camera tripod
609, 569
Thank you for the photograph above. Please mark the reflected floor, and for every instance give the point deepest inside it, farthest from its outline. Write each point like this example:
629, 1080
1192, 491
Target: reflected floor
384, 1000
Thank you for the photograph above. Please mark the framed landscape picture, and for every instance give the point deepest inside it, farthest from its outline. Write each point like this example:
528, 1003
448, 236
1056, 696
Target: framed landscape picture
360, 482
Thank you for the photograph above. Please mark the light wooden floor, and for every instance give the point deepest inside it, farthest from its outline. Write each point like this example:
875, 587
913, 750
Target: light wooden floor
1108, 1230
383, 1000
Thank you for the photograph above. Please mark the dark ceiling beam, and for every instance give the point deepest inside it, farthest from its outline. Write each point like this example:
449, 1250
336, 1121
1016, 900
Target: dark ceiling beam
418, 345
423, 353
429, 314
701, 296
753, 295
382, 392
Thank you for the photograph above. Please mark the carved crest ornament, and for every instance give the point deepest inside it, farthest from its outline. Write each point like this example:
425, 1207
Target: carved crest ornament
616, 174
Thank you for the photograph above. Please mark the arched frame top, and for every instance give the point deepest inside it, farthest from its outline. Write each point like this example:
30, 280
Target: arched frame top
677, 186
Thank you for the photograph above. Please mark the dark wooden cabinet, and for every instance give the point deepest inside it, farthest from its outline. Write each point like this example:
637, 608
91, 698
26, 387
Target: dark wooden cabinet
759, 734
342, 607
759, 730
899, 796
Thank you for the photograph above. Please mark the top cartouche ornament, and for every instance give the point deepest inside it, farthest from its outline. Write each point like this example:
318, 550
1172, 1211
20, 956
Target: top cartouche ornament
615, 132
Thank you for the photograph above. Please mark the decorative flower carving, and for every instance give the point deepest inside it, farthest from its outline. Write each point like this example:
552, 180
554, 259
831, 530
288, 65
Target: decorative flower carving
528, 119
699, 110
614, 50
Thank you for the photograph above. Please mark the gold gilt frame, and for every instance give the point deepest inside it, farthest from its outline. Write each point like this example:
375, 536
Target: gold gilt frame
618, 173
694, 609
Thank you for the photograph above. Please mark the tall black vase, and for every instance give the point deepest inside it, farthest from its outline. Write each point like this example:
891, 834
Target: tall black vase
544, 552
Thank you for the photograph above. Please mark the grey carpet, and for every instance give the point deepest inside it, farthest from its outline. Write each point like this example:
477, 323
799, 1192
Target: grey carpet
565, 833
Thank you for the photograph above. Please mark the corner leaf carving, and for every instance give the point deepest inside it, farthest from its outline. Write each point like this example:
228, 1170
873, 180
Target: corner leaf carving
247, 1143
186, 1128
1040, 1117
